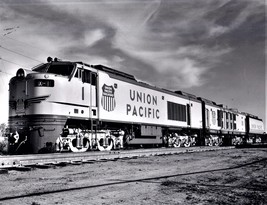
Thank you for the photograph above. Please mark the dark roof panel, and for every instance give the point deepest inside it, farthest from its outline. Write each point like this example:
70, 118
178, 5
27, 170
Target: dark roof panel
186, 94
114, 72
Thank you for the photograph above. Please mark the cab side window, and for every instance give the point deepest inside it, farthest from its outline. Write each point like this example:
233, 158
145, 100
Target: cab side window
86, 76
78, 73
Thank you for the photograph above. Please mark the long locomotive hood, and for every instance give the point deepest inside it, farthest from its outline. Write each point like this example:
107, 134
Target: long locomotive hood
136, 102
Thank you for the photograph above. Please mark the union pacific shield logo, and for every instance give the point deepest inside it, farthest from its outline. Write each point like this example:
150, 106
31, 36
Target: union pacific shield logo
108, 98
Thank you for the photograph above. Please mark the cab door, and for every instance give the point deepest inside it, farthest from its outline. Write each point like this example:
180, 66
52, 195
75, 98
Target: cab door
87, 81
207, 115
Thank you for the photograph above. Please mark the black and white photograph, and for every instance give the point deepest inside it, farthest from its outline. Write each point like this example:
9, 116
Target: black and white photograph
133, 102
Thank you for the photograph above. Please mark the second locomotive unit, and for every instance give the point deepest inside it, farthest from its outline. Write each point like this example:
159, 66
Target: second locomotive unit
73, 106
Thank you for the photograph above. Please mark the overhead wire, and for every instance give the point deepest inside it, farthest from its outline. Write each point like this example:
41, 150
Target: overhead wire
22, 42
10, 50
2, 78
4, 68
19, 53
12, 62
6, 73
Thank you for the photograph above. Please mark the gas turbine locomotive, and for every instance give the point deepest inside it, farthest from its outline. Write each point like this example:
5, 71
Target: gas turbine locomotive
73, 106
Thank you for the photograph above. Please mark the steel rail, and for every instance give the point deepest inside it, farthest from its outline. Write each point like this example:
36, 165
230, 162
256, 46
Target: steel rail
17, 161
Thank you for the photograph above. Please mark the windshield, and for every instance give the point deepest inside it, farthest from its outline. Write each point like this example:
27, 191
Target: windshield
40, 68
64, 69
61, 69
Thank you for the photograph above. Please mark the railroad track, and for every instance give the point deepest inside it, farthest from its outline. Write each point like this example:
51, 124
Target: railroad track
146, 179
26, 162
118, 182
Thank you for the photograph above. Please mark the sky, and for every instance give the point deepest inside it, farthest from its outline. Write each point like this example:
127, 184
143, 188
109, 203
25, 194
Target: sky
210, 48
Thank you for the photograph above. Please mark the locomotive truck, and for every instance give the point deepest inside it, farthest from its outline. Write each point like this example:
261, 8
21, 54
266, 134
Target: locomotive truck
74, 106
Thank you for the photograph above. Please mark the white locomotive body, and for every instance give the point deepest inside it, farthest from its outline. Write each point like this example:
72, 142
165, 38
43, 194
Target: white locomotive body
62, 106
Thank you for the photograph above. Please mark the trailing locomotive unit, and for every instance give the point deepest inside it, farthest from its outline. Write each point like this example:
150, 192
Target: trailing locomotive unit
74, 106
221, 125
255, 129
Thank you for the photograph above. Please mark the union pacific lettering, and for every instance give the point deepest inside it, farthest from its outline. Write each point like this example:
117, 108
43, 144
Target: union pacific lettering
256, 127
143, 111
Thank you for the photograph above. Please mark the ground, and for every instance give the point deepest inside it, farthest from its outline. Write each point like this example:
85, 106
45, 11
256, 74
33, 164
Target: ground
234, 176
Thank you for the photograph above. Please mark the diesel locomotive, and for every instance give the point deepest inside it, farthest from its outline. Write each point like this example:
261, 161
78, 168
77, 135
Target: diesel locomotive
74, 106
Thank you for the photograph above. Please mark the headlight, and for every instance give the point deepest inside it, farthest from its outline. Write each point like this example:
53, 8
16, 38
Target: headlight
21, 73
44, 83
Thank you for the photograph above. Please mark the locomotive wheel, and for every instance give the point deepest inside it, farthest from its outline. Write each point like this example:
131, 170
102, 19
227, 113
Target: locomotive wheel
177, 143
215, 142
86, 144
258, 140
234, 142
102, 147
187, 143
208, 142
73, 148
165, 141
239, 142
